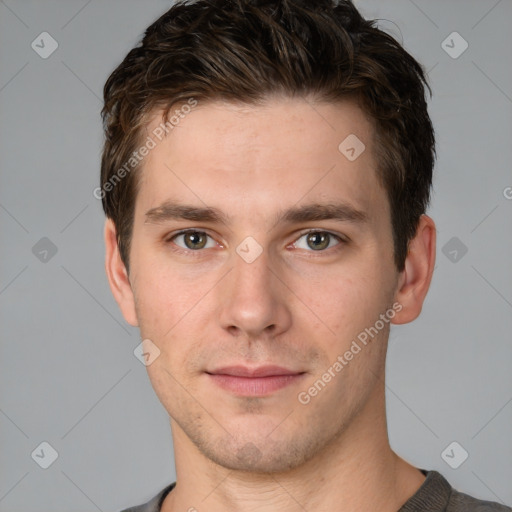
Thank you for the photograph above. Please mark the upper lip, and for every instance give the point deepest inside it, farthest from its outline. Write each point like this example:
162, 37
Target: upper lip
260, 371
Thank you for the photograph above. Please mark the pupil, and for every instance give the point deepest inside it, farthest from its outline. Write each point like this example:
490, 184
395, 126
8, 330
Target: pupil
318, 240
195, 240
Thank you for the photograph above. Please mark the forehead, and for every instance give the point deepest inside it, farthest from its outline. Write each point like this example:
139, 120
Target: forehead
300, 119
280, 151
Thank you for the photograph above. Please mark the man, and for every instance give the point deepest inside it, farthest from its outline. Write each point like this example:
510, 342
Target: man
265, 176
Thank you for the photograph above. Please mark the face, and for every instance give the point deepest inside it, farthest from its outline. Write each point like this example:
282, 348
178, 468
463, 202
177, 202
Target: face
260, 254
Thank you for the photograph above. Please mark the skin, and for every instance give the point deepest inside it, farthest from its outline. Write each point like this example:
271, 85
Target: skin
293, 306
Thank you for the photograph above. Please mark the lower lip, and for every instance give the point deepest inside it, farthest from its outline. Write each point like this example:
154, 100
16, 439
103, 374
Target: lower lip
254, 386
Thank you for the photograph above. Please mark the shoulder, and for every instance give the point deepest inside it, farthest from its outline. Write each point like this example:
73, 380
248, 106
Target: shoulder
154, 504
437, 495
460, 502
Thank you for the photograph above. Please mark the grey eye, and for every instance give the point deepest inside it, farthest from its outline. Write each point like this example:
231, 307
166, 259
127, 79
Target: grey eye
193, 240
317, 241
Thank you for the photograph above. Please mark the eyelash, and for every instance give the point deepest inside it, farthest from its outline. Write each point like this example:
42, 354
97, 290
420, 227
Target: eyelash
190, 252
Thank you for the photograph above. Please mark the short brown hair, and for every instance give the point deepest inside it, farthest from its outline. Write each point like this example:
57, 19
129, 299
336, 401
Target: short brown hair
245, 50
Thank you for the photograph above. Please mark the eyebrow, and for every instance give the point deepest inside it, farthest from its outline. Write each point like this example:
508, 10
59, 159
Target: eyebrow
314, 212
306, 213
174, 211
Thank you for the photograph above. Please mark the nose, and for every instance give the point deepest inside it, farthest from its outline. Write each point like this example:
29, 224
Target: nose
254, 300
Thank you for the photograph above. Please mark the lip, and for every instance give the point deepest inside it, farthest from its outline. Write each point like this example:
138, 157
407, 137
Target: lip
260, 381
260, 371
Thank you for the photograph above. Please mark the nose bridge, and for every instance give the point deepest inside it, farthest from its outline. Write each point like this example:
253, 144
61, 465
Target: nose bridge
253, 301
252, 276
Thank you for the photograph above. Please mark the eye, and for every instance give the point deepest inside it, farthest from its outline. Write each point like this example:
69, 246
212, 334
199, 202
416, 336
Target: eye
193, 240
317, 241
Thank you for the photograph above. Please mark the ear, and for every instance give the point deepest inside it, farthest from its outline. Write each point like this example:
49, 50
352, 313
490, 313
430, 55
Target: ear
118, 276
414, 280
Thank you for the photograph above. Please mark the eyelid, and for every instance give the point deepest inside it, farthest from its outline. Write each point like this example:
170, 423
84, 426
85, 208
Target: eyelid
341, 239
170, 238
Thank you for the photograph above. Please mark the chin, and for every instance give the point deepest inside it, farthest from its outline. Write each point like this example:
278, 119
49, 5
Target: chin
263, 455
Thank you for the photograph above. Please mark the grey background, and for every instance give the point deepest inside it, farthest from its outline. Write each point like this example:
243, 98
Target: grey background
68, 374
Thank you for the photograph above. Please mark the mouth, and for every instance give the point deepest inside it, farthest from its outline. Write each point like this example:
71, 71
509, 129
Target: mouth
260, 381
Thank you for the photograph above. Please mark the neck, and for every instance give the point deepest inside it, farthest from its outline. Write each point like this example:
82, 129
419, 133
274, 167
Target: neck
356, 471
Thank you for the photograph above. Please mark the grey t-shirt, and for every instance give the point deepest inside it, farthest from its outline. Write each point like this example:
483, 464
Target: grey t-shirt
434, 495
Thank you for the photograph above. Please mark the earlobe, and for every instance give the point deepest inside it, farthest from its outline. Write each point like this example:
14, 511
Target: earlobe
118, 276
414, 280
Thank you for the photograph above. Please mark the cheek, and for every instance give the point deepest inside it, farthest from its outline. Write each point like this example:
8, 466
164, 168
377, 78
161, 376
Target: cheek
345, 301
171, 307
159, 300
